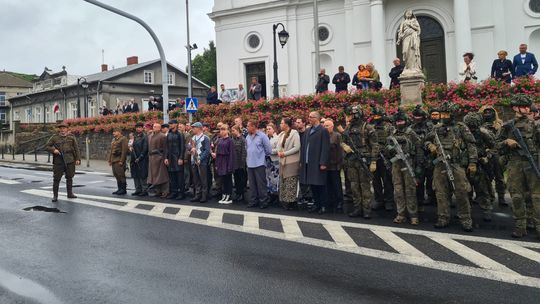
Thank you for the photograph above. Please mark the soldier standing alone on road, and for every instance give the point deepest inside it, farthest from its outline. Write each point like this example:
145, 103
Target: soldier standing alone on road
519, 140
65, 156
455, 148
117, 160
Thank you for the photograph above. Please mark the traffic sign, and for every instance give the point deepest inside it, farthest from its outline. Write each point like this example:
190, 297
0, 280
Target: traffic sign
191, 105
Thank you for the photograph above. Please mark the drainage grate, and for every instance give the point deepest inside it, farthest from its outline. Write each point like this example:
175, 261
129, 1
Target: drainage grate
44, 209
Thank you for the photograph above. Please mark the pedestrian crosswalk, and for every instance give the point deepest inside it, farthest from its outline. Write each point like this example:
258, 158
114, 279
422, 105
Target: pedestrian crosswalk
508, 261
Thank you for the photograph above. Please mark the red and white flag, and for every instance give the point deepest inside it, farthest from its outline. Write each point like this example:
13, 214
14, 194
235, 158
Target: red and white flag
56, 108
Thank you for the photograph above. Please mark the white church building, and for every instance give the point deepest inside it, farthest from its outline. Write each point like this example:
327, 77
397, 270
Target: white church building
352, 32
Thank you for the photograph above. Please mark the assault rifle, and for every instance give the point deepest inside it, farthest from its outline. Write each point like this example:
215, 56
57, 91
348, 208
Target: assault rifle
363, 160
442, 156
404, 157
524, 149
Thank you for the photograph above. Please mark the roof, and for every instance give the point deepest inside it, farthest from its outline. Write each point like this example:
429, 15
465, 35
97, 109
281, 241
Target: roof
7, 79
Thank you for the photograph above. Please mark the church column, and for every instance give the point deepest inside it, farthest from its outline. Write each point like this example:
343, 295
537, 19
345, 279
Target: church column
377, 37
462, 25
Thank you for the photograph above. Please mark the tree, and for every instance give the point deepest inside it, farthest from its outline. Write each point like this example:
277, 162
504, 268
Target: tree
204, 65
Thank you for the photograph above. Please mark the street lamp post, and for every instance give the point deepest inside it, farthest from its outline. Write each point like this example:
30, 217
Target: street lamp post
189, 48
283, 37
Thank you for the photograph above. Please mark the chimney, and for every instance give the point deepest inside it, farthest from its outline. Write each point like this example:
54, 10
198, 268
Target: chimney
104, 68
132, 60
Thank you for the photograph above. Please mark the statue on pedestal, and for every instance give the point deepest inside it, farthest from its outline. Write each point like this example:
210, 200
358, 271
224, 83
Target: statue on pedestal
409, 38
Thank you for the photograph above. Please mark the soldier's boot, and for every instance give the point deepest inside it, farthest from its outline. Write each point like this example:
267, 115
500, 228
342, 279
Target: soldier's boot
531, 225
467, 227
367, 214
441, 224
123, 189
117, 188
519, 233
69, 186
389, 206
501, 200
56, 186
400, 219
356, 212
414, 221
487, 216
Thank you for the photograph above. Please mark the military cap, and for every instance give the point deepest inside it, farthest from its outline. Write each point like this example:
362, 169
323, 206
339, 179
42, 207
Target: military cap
117, 130
418, 111
173, 121
400, 115
164, 125
521, 100
197, 125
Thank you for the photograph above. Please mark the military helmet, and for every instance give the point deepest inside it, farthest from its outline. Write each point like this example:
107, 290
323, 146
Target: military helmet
473, 120
418, 111
378, 110
521, 100
401, 115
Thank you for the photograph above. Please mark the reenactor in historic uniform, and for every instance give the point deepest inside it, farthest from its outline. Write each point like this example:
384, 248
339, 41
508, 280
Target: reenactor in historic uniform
402, 146
117, 160
382, 181
455, 148
139, 160
361, 149
176, 148
66, 156
423, 161
519, 140
481, 181
493, 123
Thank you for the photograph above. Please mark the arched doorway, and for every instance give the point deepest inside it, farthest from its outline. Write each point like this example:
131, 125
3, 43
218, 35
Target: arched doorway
534, 41
432, 49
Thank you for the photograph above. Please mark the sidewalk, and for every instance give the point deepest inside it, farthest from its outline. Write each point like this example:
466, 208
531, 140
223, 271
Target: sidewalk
100, 166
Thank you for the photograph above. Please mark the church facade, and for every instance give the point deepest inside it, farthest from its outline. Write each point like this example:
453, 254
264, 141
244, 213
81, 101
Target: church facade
354, 32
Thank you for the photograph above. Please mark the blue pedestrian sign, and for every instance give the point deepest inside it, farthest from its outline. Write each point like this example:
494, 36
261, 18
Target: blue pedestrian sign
191, 105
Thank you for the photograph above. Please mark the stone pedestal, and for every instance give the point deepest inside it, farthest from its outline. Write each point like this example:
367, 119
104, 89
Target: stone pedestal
411, 85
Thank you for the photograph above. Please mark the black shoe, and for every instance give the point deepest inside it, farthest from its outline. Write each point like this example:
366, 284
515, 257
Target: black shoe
54, 199
121, 192
356, 213
264, 205
389, 206
144, 193
322, 210
171, 195
252, 205
136, 193
180, 196
203, 200
196, 199
440, 225
467, 228
313, 209
367, 215
519, 233
116, 192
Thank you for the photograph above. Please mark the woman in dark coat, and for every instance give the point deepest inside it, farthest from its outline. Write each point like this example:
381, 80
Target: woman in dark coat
240, 155
502, 68
225, 162
139, 160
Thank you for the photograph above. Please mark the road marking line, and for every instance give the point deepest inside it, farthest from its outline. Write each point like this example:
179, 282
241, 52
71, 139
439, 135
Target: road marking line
339, 235
215, 217
391, 257
291, 229
129, 206
9, 182
398, 243
522, 251
46, 187
157, 210
493, 241
94, 173
185, 212
472, 255
251, 222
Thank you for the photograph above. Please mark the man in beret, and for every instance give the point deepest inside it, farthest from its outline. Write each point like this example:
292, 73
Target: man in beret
66, 156
117, 160
175, 161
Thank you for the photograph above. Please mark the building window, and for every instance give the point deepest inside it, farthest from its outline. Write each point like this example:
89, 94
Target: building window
28, 113
534, 5
48, 114
72, 110
3, 116
170, 78
38, 118
253, 42
2, 99
91, 108
148, 77
324, 33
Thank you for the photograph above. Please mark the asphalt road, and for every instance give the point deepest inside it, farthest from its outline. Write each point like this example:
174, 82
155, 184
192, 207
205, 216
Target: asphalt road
103, 250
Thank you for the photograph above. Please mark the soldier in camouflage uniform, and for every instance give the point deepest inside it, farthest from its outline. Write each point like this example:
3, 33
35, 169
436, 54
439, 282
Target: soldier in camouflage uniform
481, 181
493, 123
382, 180
458, 145
66, 156
423, 161
522, 177
361, 151
403, 174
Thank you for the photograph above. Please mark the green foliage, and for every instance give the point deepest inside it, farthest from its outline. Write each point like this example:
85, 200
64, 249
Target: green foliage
204, 65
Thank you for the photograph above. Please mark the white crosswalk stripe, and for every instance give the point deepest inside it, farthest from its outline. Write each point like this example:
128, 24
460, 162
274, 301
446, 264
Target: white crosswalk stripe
341, 238
9, 181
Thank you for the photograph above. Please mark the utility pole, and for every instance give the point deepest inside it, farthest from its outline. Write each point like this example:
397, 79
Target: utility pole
188, 47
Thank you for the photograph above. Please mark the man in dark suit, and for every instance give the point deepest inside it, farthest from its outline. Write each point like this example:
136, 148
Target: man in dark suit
255, 89
314, 157
524, 63
395, 72
341, 80
133, 106
212, 97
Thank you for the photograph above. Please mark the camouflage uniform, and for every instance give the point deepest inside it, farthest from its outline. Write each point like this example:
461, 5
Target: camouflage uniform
382, 181
459, 146
522, 178
403, 181
63, 163
481, 181
423, 161
360, 144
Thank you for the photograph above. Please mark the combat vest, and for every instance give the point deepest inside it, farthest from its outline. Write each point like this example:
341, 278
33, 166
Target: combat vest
453, 142
356, 136
527, 127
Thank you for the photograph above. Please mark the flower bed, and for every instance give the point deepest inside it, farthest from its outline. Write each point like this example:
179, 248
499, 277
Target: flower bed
470, 97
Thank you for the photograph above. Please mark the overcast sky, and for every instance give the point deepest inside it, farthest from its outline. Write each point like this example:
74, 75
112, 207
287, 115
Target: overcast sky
53, 33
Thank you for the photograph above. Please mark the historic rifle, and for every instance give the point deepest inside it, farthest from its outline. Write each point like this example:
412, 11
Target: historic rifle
524, 149
61, 154
442, 156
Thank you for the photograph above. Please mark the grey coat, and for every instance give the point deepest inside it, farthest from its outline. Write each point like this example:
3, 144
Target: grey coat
318, 144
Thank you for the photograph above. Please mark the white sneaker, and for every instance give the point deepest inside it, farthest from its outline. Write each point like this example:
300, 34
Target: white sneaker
227, 200
222, 199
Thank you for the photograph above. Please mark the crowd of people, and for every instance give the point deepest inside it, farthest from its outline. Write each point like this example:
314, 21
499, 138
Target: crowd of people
398, 162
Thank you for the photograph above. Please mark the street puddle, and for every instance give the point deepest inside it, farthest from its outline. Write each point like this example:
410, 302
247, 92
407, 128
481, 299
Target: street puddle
43, 209
27, 288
